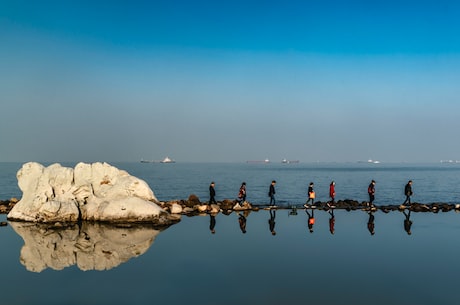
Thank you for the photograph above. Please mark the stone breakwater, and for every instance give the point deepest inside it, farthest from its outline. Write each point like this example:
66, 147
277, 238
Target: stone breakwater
193, 205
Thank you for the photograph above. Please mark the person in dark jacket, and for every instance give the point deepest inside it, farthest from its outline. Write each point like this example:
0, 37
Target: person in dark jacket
272, 192
371, 192
408, 192
212, 193
242, 193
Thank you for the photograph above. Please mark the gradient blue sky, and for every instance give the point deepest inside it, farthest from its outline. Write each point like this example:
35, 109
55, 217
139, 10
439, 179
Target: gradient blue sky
229, 80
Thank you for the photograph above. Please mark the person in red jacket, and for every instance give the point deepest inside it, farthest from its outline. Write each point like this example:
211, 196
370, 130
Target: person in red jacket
332, 193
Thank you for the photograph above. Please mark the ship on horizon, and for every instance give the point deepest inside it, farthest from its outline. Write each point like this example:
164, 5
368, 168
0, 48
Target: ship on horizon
165, 160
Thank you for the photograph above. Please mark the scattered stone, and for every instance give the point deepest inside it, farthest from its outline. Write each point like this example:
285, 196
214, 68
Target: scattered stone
176, 208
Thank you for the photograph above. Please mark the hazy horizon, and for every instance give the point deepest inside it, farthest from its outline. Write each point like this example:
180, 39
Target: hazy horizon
208, 81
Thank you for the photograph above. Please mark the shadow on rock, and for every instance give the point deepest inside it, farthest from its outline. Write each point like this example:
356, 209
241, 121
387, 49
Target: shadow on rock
90, 246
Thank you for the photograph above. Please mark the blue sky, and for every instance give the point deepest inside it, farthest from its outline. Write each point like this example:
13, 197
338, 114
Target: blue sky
229, 81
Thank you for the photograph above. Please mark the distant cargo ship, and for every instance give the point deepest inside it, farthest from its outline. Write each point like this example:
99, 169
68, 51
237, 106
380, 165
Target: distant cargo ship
370, 161
286, 161
165, 160
259, 161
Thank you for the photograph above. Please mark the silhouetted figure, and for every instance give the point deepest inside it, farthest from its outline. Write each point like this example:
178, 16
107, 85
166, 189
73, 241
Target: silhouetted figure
407, 223
408, 192
331, 193
332, 222
242, 222
371, 192
212, 223
242, 193
311, 195
271, 221
311, 219
272, 192
370, 223
212, 194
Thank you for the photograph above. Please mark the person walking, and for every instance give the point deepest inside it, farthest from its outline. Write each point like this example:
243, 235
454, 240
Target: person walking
212, 193
371, 192
408, 192
331, 193
242, 193
311, 195
272, 192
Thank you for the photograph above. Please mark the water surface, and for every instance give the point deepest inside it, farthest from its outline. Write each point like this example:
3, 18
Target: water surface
187, 264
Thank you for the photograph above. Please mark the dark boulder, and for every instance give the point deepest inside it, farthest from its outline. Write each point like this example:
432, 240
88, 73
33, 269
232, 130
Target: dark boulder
192, 201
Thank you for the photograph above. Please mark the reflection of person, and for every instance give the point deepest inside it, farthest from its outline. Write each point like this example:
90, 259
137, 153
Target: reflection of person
408, 192
271, 221
407, 223
332, 222
242, 222
311, 194
332, 192
212, 223
371, 192
242, 193
212, 194
272, 192
311, 219
370, 223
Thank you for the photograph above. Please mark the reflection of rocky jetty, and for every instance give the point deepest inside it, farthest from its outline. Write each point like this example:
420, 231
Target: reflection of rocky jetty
96, 192
95, 246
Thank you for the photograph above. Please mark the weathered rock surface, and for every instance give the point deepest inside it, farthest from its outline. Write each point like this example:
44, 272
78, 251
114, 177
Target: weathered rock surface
93, 246
95, 192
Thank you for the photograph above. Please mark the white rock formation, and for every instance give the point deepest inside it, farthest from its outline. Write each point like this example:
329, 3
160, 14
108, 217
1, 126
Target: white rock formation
96, 192
94, 246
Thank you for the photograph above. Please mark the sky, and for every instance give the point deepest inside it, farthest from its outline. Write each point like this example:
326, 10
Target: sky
229, 81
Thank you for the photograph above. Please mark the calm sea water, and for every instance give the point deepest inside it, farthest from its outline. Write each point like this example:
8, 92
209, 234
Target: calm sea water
186, 264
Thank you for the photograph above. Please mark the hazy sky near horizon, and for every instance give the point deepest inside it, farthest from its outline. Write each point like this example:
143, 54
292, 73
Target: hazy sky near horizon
229, 80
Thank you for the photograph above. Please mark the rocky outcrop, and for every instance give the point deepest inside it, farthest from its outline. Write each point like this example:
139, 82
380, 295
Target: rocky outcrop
94, 192
92, 246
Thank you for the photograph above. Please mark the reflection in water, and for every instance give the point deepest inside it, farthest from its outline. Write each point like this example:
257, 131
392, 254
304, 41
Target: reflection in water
212, 223
271, 221
242, 222
91, 246
311, 219
370, 223
332, 222
407, 222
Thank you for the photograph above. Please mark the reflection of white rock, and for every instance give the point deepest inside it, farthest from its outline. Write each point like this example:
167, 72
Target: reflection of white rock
94, 247
97, 191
